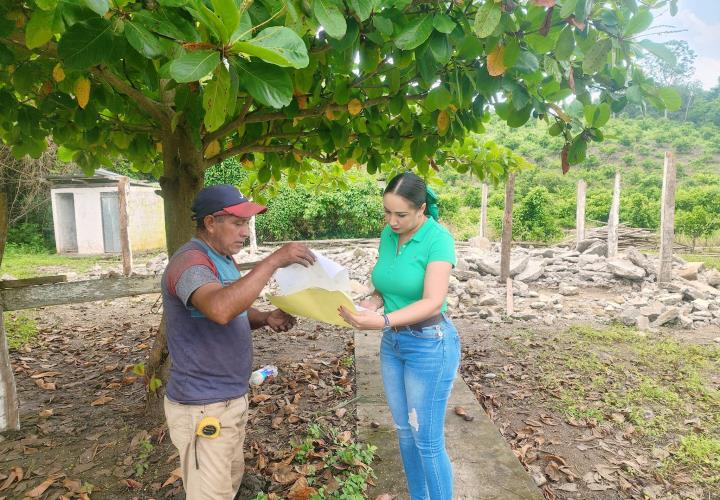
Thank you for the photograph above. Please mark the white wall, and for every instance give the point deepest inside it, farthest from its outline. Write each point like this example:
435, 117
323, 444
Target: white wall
146, 214
88, 218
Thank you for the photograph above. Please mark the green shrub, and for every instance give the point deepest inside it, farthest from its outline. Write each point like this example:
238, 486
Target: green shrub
534, 219
28, 236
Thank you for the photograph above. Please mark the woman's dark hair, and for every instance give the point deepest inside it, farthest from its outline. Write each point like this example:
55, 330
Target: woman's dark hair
413, 189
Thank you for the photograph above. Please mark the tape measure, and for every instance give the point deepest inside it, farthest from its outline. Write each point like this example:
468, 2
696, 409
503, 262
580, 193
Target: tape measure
209, 427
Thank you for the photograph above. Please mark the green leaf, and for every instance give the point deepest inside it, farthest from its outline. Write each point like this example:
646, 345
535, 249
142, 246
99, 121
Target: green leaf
363, 8
670, 97
383, 25
169, 23
38, 31
193, 66
210, 20
46, 4
243, 30
277, 45
527, 62
215, 99
597, 56
438, 98
638, 23
659, 50
440, 47
415, 33
228, 12
577, 150
487, 19
173, 3
266, 83
568, 7
86, 44
444, 23
99, 6
565, 44
602, 115
329, 16
519, 117
142, 40
511, 53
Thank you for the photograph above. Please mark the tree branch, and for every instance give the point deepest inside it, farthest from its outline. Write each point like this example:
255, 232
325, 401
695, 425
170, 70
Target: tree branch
230, 126
159, 112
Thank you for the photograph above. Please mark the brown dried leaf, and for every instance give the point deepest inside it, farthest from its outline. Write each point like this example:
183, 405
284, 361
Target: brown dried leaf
46, 386
72, 485
132, 484
16, 474
495, 64
45, 374
384, 496
40, 488
174, 476
300, 490
567, 487
459, 410
101, 401
46, 413
284, 475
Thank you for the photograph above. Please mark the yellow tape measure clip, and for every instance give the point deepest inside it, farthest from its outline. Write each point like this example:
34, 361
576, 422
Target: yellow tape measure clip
209, 427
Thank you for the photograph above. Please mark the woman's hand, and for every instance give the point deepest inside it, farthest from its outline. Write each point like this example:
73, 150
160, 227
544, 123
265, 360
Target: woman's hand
372, 303
362, 320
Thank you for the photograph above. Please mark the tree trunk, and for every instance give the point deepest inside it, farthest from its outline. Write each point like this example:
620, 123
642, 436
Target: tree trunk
182, 179
4, 216
9, 414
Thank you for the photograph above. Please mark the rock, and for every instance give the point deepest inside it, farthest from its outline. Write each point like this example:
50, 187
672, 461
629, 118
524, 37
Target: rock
583, 245
652, 311
533, 270
700, 305
713, 278
549, 253
7, 277
538, 305
524, 316
488, 266
625, 269
518, 267
475, 287
568, 290
685, 321
691, 270
587, 259
600, 248
487, 300
643, 323
672, 299
360, 253
480, 242
629, 316
462, 265
691, 293
670, 314
640, 260
549, 319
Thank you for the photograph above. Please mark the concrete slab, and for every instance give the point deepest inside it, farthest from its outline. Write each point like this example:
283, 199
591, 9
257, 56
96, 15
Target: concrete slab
485, 467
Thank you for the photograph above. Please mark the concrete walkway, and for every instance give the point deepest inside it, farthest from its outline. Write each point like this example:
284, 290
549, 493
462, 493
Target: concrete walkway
484, 465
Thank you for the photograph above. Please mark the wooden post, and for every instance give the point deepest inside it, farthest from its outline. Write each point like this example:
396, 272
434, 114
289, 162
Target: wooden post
483, 210
8, 393
509, 305
614, 219
580, 211
506, 241
667, 220
253, 236
127, 259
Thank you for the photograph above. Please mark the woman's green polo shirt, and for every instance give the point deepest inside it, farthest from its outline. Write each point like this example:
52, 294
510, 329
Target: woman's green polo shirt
399, 275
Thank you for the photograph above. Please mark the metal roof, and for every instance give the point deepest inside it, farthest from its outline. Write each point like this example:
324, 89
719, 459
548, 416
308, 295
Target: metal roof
101, 177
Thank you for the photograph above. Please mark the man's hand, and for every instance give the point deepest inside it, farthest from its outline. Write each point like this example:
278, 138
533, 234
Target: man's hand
280, 321
292, 253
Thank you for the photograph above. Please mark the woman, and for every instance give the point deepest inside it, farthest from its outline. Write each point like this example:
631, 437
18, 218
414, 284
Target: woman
420, 349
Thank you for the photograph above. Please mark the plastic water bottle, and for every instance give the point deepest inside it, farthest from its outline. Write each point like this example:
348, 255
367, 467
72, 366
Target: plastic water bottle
258, 376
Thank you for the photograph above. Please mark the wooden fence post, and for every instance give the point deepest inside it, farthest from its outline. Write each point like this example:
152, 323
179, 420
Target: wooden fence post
506, 241
614, 219
580, 211
253, 236
483, 210
125, 248
8, 392
667, 220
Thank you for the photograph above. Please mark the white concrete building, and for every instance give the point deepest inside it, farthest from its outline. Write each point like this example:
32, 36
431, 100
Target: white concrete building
86, 216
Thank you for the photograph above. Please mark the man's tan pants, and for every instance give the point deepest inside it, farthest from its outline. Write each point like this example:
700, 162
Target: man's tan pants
212, 469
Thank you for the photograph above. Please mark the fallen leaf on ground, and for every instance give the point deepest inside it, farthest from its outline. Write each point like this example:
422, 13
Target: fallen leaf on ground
459, 410
174, 476
47, 386
567, 487
300, 490
46, 413
16, 474
45, 374
40, 488
101, 401
384, 496
132, 484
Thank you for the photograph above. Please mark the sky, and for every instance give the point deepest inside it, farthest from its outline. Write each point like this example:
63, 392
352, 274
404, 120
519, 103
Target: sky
701, 20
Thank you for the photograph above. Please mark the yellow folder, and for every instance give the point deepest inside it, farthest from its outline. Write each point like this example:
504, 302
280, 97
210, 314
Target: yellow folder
315, 303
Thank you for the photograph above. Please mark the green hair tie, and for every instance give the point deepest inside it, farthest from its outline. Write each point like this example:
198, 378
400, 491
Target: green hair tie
431, 203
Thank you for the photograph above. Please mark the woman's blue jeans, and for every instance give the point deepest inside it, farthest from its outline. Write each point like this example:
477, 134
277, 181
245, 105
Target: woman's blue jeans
418, 369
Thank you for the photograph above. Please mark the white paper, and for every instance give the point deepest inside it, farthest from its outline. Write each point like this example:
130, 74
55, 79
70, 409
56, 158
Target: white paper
324, 273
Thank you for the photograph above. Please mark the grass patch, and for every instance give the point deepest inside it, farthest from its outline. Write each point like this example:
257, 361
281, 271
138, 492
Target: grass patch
621, 378
710, 261
19, 329
20, 263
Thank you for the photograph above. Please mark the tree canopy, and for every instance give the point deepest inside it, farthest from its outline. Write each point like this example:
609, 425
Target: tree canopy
178, 85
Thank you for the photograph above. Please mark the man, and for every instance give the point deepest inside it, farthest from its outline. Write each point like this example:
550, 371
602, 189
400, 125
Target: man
209, 316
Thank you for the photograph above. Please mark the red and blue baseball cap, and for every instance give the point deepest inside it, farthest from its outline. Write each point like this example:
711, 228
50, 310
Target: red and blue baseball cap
224, 199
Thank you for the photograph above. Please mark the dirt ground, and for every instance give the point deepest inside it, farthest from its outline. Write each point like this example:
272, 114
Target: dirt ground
85, 432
